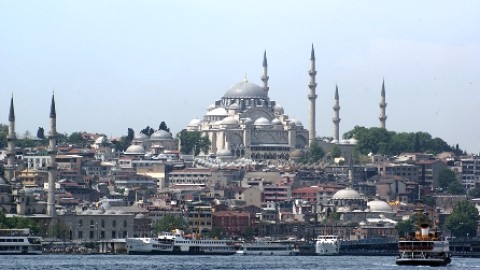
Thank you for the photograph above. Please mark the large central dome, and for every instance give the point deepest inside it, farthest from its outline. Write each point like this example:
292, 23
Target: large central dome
245, 90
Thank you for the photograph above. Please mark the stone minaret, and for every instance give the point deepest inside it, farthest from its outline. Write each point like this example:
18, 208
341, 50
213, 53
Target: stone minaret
312, 98
336, 116
52, 168
383, 105
265, 72
10, 168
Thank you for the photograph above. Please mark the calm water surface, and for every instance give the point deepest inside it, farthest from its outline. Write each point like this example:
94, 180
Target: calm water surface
131, 262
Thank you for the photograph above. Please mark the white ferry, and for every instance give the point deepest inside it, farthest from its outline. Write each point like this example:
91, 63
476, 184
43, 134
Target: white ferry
19, 241
327, 245
424, 248
175, 243
268, 248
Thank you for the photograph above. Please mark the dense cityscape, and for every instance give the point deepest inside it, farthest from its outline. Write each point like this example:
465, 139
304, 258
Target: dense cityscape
244, 171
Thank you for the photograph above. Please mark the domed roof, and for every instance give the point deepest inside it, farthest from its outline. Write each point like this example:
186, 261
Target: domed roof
140, 216
231, 121
194, 122
278, 109
247, 120
161, 135
379, 206
218, 112
276, 122
262, 121
211, 107
234, 106
135, 150
245, 90
223, 153
297, 122
140, 137
346, 194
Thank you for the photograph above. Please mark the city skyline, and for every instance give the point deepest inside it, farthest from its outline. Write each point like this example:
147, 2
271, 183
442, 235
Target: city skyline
118, 65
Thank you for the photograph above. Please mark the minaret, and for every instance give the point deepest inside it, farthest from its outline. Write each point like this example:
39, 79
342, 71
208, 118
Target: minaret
265, 72
10, 168
312, 98
383, 105
336, 116
52, 168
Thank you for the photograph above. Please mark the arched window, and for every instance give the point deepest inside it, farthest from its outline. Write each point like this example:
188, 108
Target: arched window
80, 223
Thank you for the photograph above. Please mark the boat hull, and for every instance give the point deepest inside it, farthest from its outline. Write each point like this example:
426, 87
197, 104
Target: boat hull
424, 262
157, 252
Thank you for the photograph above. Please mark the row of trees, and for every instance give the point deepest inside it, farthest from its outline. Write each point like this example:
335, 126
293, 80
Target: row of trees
381, 141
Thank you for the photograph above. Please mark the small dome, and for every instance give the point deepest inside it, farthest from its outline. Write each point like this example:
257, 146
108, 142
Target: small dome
161, 135
277, 109
234, 107
246, 90
247, 121
194, 123
297, 122
344, 142
217, 112
346, 194
223, 153
140, 137
262, 121
135, 150
352, 141
140, 216
334, 141
230, 121
379, 206
276, 122
211, 107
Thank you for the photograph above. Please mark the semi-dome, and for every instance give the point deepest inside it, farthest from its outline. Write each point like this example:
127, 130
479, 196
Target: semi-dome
135, 150
379, 206
218, 112
194, 122
346, 194
230, 121
276, 122
262, 121
247, 121
234, 107
245, 89
211, 107
161, 135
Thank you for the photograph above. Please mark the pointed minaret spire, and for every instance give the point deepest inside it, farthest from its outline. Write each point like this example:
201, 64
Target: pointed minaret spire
265, 72
383, 105
312, 96
52, 167
10, 166
336, 116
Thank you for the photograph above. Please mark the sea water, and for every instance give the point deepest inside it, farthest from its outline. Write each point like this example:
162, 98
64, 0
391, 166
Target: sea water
165, 262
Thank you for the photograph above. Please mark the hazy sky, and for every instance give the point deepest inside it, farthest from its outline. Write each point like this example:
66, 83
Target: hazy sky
118, 64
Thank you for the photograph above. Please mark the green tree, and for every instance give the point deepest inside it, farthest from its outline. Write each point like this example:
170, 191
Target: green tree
463, 220
163, 126
77, 138
405, 227
456, 188
315, 152
248, 233
474, 192
336, 152
41, 133
192, 142
130, 134
147, 131
445, 178
3, 136
216, 233
58, 230
169, 223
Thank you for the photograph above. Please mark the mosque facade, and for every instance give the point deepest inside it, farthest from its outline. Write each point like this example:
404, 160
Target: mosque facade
245, 122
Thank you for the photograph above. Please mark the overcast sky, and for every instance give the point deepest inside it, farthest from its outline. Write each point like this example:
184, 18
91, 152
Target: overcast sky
115, 65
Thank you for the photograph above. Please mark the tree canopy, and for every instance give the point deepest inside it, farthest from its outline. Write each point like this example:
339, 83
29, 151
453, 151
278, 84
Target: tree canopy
380, 141
163, 126
445, 178
192, 142
462, 221
169, 223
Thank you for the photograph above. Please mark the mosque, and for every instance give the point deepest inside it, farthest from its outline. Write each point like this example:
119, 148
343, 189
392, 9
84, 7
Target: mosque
245, 122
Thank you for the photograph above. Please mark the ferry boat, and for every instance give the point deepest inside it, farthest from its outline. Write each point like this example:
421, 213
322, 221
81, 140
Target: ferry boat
327, 245
19, 242
424, 247
267, 248
174, 243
